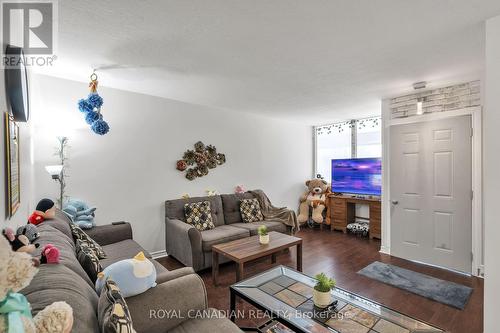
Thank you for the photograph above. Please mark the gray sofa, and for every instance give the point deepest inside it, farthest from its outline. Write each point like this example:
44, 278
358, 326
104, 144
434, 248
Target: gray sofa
180, 290
194, 248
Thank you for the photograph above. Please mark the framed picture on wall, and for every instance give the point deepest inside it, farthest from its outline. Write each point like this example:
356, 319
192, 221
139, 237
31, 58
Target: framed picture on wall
13, 172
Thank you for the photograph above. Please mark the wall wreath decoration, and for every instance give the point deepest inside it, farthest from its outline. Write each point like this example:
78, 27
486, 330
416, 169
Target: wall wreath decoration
199, 161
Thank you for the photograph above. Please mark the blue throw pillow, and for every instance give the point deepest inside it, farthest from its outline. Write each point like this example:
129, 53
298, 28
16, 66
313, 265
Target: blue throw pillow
133, 276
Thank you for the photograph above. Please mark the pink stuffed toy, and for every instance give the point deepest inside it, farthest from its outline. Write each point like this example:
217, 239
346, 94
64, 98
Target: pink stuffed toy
239, 189
50, 254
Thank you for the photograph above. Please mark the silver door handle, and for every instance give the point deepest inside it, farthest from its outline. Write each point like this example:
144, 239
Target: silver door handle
394, 202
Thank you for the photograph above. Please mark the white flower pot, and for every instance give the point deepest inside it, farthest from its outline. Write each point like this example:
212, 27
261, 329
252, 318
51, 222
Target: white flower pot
264, 239
322, 299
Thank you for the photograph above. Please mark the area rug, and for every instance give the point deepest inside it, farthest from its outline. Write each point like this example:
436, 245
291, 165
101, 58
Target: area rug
442, 291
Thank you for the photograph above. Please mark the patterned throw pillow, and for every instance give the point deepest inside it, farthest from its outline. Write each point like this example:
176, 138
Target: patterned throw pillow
250, 210
112, 310
199, 215
79, 234
88, 259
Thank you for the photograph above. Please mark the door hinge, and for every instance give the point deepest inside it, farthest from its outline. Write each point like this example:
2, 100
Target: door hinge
471, 132
472, 194
472, 257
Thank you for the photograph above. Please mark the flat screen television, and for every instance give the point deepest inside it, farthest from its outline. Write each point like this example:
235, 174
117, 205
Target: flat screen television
357, 176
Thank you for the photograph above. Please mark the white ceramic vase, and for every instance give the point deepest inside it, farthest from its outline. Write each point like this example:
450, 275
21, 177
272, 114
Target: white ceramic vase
264, 239
322, 299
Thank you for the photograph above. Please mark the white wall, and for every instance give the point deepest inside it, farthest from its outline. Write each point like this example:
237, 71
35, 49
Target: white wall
21, 216
130, 172
491, 176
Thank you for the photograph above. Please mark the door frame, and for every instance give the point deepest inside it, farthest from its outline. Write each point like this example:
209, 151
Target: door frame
477, 188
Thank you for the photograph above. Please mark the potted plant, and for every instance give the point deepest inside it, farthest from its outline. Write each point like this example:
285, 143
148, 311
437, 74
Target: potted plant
321, 292
263, 235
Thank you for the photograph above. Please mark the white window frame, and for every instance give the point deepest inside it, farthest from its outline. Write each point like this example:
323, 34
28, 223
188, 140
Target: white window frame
354, 139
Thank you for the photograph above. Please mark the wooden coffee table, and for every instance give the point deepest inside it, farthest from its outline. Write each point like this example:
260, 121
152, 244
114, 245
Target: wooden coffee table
247, 249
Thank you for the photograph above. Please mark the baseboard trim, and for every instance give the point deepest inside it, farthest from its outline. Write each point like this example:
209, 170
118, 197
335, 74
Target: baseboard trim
159, 254
385, 250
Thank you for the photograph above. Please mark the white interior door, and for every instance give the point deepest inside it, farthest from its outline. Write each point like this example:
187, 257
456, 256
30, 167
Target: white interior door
431, 192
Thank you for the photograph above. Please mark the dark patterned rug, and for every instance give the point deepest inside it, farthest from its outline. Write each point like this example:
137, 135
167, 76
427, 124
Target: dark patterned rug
438, 290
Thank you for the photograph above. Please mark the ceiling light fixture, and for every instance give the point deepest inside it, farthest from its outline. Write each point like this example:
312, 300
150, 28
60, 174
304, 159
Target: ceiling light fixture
420, 85
420, 102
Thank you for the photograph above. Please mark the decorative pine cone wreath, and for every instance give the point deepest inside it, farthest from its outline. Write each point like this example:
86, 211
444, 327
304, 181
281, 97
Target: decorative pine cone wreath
200, 160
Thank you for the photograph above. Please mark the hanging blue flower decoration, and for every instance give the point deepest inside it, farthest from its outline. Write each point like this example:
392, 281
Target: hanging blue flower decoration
91, 107
92, 116
95, 100
100, 127
84, 106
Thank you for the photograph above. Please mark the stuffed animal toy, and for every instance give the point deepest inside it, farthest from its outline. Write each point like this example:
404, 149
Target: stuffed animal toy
45, 210
30, 231
133, 276
239, 189
185, 196
19, 243
16, 273
50, 254
211, 192
314, 198
80, 213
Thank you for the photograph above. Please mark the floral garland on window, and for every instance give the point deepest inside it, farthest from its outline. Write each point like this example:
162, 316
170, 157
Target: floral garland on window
337, 127
369, 122
348, 125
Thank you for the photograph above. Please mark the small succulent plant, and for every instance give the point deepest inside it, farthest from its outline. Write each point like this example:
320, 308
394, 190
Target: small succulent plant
262, 230
324, 284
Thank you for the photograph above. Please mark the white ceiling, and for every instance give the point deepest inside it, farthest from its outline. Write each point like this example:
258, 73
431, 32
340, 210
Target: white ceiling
309, 60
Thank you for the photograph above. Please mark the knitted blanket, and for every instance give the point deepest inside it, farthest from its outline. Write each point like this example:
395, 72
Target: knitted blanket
281, 214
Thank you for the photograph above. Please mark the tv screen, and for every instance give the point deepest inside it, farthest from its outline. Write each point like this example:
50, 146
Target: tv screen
357, 176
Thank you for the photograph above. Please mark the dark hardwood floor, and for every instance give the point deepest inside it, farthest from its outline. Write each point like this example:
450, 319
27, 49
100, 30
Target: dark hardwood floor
341, 256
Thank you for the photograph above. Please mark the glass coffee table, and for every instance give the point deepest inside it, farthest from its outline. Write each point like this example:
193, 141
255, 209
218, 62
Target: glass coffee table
286, 295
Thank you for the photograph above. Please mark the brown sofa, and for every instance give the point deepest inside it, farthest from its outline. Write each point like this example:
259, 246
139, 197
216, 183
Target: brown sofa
194, 248
180, 290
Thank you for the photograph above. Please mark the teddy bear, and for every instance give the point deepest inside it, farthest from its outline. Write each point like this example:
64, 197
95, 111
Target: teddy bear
80, 213
16, 272
314, 198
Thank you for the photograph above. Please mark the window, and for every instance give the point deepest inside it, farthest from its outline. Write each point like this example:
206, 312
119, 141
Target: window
368, 138
332, 141
349, 139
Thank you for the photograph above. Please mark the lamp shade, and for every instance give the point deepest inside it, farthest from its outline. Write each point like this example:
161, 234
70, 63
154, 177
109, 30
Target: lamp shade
54, 170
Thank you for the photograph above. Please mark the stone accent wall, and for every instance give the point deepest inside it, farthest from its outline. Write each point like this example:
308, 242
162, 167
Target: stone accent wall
437, 100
